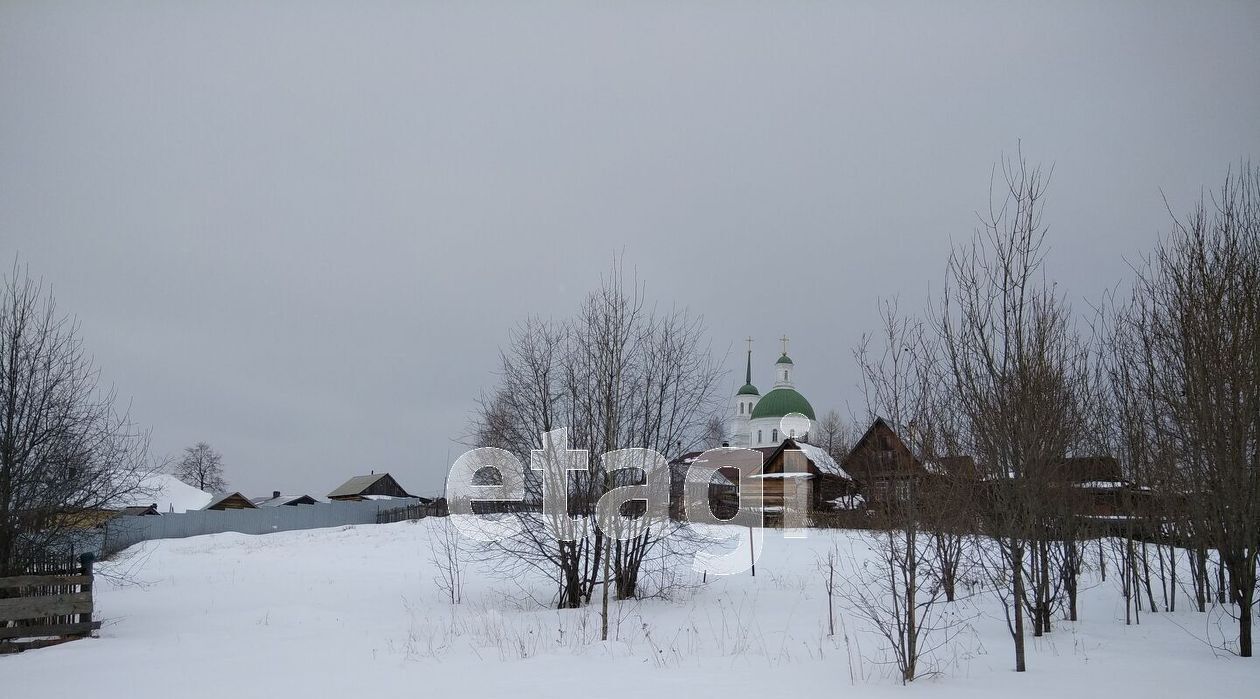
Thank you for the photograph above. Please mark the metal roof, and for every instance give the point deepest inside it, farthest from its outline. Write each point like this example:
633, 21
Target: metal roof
357, 485
781, 402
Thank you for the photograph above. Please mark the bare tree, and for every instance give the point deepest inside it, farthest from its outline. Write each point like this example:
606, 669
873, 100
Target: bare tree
1195, 315
616, 376
447, 556
1018, 376
65, 449
714, 432
835, 435
828, 567
1127, 424
202, 468
899, 593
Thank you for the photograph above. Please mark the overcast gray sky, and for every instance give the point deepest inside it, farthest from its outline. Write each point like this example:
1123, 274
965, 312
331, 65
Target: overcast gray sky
301, 230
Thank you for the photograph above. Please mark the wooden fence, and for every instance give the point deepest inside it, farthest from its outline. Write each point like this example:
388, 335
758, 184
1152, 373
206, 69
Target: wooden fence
410, 512
50, 604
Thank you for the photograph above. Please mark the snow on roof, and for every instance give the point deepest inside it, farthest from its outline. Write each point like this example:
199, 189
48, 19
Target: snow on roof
279, 500
934, 467
783, 475
822, 460
714, 478
169, 493
1101, 485
848, 502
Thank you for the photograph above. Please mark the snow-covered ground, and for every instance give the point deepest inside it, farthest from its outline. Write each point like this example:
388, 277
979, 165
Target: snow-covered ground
354, 611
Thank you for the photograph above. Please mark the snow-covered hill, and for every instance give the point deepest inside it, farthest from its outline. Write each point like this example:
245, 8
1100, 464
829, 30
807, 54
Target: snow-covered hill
354, 612
169, 493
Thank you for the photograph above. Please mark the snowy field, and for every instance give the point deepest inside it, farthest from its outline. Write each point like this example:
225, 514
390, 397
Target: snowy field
354, 612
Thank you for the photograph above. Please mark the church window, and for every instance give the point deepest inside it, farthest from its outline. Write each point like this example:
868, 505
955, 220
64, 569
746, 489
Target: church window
741, 408
774, 435
792, 433
785, 375
759, 436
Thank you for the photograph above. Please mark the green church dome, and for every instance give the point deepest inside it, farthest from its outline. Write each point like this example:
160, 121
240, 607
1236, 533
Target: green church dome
784, 360
782, 401
748, 390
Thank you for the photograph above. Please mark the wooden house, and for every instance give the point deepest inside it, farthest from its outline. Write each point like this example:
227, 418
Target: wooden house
1095, 489
230, 501
370, 487
817, 478
883, 466
723, 486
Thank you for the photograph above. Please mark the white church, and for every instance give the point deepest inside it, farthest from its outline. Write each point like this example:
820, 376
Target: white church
758, 421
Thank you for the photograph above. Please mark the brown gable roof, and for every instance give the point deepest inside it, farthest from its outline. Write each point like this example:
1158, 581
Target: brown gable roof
962, 467
231, 501
867, 457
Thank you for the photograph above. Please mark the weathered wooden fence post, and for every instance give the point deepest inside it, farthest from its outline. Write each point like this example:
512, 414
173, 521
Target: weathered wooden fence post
85, 569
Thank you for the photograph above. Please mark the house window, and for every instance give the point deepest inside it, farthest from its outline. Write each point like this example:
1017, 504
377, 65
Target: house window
902, 490
774, 435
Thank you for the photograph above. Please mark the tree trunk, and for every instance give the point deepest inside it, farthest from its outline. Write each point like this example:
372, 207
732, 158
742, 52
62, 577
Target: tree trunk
1043, 593
1242, 583
1244, 622
603, 626
1220, 579
1071, 570
1017, 579
1146, 579
1198, 572
911, 611
1034, 581
1172, 578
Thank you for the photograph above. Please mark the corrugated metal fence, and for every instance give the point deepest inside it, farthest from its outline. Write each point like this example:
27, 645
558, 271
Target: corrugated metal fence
121, 532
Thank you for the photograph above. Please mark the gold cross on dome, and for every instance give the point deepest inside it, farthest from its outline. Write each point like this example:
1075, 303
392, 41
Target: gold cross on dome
749, 341
784, 340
